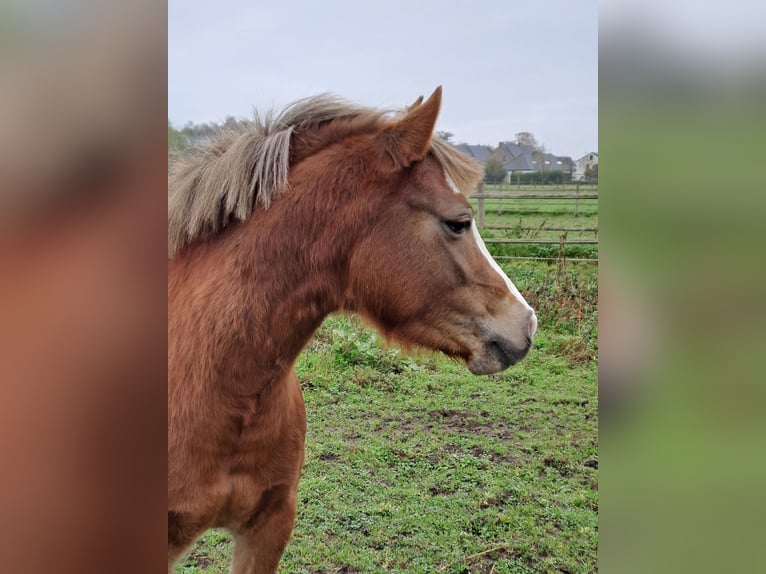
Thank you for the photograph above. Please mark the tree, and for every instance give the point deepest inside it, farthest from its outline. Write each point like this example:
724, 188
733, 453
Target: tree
176, 140
494, 172
591, 173
446, 136
539, 156
526, 138
231, 124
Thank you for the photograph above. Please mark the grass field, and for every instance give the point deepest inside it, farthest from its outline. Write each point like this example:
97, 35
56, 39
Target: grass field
414, 465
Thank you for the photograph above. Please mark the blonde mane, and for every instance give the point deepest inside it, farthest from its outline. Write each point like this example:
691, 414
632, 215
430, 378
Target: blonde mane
244, 168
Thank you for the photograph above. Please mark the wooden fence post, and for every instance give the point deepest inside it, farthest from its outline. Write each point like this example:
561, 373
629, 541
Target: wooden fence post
577, 201
480, 206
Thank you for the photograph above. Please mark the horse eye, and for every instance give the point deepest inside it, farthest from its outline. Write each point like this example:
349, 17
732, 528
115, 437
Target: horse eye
459, 227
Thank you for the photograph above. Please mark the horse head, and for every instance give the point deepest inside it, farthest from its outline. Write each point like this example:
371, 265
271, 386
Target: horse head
422, 273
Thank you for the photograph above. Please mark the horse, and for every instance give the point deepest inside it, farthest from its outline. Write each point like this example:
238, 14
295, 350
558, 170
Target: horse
325, 207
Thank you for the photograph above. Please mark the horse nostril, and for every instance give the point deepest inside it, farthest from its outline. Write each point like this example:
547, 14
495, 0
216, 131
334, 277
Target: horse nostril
499, 349
505, 351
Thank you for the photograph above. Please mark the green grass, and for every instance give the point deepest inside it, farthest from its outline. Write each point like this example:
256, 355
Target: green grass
415, 465
555, 209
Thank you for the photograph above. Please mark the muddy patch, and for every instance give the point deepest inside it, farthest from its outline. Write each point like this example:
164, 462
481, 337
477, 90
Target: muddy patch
329, 457
462, 421
560, 465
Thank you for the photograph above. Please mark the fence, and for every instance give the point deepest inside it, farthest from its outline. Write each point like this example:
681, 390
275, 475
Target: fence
568, 197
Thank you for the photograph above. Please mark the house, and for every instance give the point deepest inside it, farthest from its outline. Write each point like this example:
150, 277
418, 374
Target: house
588, 161
516, 158
522, 158
565, 164
480, 153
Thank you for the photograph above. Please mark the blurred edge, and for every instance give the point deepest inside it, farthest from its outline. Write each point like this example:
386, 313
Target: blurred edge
83, 175
681, 286
82, 274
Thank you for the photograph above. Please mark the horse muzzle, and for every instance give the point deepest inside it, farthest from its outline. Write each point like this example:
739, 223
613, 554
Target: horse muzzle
499, 352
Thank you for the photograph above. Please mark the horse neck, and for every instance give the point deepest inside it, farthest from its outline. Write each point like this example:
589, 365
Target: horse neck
251, 299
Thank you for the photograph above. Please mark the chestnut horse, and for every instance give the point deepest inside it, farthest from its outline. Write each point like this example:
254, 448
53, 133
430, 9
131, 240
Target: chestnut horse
326, 207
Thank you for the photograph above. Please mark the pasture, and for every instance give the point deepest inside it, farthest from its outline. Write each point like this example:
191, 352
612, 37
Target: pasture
415, 465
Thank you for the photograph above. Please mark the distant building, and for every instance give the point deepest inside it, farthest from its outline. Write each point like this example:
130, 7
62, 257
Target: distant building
517, 158
480, 153
589, 160
520, 158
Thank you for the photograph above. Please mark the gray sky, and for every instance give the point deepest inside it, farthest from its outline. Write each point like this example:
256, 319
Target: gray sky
506, 65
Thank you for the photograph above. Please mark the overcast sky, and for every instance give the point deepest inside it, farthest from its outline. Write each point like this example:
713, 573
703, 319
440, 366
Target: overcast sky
506, 65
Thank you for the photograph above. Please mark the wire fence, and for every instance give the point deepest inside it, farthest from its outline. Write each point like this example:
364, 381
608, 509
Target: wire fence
554, 199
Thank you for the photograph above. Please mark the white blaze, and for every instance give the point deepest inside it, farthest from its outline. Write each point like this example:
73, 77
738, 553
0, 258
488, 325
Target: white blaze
451, 183
484, 251
496, 267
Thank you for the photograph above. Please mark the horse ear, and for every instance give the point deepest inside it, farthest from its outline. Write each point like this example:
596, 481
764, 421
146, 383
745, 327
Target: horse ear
408, 139
415, 104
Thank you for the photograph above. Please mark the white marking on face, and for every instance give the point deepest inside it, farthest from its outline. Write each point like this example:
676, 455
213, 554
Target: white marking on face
484, 251
496, 267
451, 183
